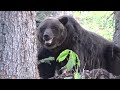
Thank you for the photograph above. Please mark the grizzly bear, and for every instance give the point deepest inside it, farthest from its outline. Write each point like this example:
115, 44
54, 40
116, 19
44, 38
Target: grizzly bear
64, 32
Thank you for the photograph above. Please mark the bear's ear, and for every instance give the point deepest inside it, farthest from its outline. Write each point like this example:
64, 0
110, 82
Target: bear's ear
63, 20
37, 23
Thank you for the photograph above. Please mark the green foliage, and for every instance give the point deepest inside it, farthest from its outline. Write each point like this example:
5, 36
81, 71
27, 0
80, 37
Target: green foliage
68, 78
77, 75
73, 61
46, 60
78, 61
63, 55
100, 22
41, 15
73, 56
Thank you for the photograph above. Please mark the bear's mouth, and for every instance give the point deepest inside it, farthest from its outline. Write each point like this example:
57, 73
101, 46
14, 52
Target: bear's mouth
48, 43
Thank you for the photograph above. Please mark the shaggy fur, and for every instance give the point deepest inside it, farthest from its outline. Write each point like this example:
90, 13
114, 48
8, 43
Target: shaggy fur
93, 50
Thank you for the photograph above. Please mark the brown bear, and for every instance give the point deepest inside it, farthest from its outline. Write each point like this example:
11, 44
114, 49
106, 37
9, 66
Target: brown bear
58, 34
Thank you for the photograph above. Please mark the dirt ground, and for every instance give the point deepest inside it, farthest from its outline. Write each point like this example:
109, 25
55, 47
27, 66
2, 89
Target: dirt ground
86, 74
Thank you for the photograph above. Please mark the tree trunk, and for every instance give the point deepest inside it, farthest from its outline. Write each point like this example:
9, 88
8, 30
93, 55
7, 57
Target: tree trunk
18, 45
116, 37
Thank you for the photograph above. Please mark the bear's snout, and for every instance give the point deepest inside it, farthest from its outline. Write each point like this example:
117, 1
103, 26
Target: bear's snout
46, 37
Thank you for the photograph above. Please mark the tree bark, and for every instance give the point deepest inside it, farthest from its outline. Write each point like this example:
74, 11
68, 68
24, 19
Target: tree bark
116, 37
18, 45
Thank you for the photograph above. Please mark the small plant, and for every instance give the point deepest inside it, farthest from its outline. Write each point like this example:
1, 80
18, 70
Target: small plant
46, 60
73, 61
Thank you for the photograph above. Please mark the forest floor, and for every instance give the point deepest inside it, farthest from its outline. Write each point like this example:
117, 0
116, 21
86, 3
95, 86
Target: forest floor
93, 74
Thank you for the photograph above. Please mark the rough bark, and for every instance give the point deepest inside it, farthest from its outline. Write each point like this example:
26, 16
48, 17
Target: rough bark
18, 47
116, 37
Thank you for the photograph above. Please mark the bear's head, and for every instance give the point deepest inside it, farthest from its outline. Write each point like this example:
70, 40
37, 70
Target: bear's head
52, 32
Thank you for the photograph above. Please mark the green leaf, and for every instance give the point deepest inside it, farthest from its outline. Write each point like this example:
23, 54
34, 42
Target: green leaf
50, 58
78, 60
63, 55
77, 75
70, 64
72, 60
46, 60
68, 77
72, 57
78, 63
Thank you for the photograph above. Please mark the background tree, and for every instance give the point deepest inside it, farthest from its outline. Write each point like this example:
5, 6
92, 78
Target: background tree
18, 47
41, 15
116, 37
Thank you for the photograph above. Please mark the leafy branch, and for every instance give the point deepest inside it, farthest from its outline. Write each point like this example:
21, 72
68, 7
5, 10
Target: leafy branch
73, 61
46, 60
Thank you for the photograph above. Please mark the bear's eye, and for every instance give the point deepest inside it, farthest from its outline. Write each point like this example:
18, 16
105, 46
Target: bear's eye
55, 31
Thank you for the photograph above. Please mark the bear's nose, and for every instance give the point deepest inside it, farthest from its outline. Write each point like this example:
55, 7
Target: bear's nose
46, 37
